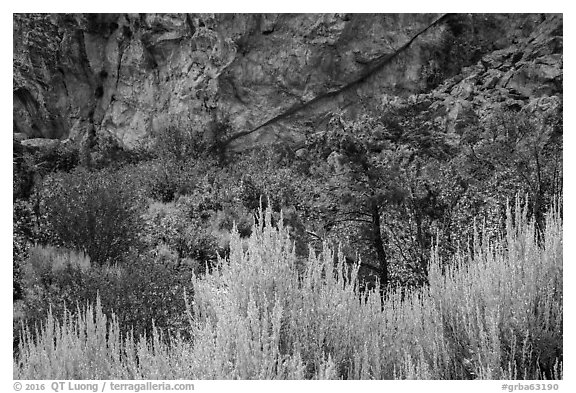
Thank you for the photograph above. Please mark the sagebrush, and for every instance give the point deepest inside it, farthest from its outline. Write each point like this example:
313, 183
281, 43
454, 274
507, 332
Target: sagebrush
493, 312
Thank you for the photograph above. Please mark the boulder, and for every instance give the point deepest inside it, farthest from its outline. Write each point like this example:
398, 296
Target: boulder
19, 136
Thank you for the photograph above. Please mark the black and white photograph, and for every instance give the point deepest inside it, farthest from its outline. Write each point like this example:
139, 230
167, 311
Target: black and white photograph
287, 196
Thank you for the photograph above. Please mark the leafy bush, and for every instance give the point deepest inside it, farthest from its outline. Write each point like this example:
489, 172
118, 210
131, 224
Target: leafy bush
64, 157
143, 294
182, 143
165, 179
22, 172
495, 313
49, 275
46, 261
23, 235
94, 212
178, 142
180, 233
90, 344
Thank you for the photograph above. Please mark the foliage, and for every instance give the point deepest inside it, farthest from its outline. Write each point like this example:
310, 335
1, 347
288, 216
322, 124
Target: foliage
517, 153
163, 180
22, 172
63, 157
385, 185
90, 344
501, 303
28, 164
177, 143
177, 233
272, 177
375, 192
108, 152
495, 313
416, 289
24, 232
48, 275
142, 294
181, 143
94, 212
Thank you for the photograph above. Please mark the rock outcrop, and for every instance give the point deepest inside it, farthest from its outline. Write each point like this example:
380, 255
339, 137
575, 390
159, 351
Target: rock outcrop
271, 77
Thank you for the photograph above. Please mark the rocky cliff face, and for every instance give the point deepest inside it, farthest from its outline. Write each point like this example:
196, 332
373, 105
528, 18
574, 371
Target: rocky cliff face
271, 77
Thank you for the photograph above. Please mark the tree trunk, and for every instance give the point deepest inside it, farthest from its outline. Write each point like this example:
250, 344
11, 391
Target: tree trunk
379, 247
421, 242
539, 201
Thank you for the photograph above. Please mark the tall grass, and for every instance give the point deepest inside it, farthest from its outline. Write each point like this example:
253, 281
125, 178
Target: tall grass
494, 312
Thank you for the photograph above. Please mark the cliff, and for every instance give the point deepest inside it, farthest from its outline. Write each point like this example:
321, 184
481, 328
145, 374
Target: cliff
263, 78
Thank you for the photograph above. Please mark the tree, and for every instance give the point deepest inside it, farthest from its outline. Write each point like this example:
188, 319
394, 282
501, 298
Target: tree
374, 171
94, 212
518, 152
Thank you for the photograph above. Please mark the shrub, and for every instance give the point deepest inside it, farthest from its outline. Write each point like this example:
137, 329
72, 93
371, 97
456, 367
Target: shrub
500, 302
88, 344
49, 275
180, 231
164, 179
94, 212
495, 313
178, 142
24, 233
64, 157
145, 294
43, 261
22, 172
142, 294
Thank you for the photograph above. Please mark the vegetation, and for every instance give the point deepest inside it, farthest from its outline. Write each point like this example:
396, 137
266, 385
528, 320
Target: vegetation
492, 313
95, 212
389, 249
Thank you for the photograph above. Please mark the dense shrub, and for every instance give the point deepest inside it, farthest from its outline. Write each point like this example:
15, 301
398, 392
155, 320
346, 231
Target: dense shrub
107, 151
181, 143
175, 231
23, 235
165, 179
495, 313
162, 179
94, 212
90, 345
146, 294
31, 162
64, 157
192, 230
178, 142
49, 276
142, 294
22, 172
